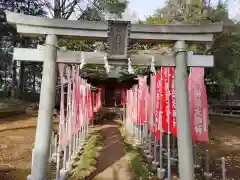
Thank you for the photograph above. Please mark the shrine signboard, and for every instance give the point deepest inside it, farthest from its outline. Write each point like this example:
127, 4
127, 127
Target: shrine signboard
118, 33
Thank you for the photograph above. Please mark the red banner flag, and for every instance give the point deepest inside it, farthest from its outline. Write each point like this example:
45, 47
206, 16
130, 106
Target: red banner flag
164, 75
158, 106
123, 94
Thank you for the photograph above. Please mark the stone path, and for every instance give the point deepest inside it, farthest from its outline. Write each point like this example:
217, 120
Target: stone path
113, 163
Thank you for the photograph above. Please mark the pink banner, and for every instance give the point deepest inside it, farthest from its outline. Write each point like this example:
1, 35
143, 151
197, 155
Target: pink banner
69, 103
99, 99
198, 105
172, 103
134, 105
77, 100
142, 83
158, 106
146, 104
62, 125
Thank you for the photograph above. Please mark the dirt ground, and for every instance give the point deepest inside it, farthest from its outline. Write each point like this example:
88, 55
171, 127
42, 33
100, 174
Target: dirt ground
224, 142
17, 135
16, 149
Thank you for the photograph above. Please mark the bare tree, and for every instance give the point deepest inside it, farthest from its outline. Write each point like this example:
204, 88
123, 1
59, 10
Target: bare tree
83, 9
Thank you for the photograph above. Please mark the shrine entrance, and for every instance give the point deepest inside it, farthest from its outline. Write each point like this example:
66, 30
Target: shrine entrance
118, 35
110, 97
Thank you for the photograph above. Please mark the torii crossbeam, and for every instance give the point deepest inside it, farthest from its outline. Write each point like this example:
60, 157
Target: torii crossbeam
118, 34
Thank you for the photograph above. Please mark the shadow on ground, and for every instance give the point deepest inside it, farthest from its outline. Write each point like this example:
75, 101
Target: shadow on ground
224, 141
13, 173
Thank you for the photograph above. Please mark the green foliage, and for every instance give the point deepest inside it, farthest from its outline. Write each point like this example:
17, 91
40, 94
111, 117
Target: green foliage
225, 48
155, 20
75, 45
140, 169
86, 162
96, 10
115, 7
9, 38
226, 52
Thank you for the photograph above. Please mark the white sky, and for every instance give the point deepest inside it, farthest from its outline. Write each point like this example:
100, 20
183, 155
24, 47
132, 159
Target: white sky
143, 8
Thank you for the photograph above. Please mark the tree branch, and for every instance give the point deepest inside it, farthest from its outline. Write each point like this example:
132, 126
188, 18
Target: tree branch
46, 3
70, 7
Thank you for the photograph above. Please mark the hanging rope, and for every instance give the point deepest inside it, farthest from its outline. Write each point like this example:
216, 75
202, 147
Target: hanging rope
107, 66
82, 61
153, 69
130, 68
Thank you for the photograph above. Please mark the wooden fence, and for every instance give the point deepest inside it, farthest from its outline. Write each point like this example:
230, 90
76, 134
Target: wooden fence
231, 107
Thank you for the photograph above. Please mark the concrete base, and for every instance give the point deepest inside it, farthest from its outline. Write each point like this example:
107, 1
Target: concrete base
69, 166
207, 175
81, 145
174, 161
161, 173
29, 177
197, 166
174, 153
73, 157
63, 174
149, 157
142, 150
155, 165
142, 146
54, 158
146, 152
137, 143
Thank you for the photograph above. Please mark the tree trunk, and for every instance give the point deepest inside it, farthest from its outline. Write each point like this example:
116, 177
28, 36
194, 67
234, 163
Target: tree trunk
34, 77
57, 9
21, 79
14, 80
5, 81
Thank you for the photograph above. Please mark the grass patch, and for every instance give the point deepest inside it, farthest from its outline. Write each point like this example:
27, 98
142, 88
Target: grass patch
86, 161
139, 167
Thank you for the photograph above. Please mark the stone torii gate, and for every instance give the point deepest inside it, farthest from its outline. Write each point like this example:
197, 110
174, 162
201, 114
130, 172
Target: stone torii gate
118, 34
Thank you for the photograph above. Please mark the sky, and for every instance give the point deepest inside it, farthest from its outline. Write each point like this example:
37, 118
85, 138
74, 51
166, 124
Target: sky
144, 8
